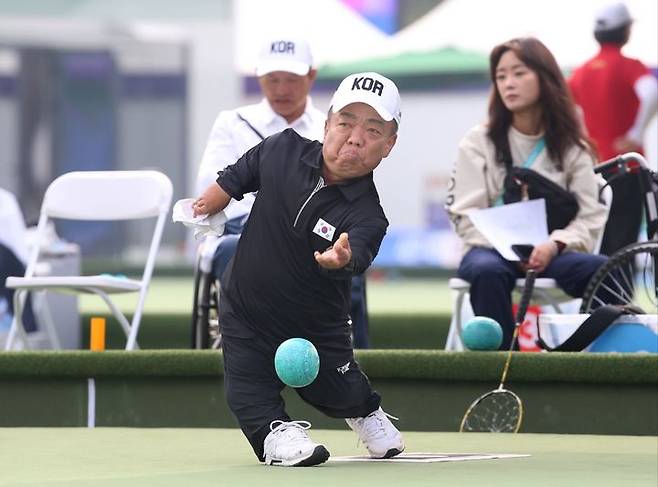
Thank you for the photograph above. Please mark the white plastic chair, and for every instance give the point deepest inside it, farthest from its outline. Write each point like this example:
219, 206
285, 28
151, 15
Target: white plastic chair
96, 195
546, 291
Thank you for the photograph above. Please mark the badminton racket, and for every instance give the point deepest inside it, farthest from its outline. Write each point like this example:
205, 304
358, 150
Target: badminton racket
501, 410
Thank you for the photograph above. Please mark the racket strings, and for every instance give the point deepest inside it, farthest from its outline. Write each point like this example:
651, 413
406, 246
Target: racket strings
496, 412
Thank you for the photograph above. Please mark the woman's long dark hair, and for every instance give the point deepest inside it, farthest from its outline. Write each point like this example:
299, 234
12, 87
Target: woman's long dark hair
562, 129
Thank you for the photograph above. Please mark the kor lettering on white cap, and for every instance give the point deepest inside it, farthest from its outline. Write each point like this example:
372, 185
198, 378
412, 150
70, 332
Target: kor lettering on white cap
368, 84
279, 47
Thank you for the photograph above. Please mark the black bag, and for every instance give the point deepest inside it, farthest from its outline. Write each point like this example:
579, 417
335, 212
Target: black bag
561, 205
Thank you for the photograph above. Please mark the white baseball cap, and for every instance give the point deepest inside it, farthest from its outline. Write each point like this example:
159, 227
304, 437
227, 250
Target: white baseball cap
611, 17
372, 89
284, 54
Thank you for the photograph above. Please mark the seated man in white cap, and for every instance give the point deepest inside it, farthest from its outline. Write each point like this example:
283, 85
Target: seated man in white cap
316, 222
285, 74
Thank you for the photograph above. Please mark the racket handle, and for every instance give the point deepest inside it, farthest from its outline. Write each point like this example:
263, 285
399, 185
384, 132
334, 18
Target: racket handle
526, 295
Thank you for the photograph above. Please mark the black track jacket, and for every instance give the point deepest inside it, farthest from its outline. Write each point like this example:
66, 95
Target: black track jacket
274, 288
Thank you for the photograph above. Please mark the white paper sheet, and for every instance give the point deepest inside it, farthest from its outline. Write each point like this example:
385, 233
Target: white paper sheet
516, 223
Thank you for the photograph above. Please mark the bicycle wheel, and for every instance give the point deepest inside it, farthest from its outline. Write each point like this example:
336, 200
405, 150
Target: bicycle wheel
205, 310
629, 278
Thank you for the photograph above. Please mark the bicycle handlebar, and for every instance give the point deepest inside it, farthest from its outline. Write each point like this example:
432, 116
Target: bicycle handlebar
621, 163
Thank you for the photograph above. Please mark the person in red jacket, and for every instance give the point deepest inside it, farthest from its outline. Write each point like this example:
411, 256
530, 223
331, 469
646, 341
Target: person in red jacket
618, 96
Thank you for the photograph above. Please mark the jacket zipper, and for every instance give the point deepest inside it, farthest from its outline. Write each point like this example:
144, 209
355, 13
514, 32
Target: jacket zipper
317, 188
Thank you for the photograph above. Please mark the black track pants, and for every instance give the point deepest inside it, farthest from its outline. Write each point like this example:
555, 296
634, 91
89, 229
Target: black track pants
253, 390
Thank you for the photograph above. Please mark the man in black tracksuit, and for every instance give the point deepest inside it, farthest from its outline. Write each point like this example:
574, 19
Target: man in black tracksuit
315, 223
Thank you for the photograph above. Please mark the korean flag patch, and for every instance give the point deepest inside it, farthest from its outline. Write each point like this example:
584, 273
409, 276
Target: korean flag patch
324, 230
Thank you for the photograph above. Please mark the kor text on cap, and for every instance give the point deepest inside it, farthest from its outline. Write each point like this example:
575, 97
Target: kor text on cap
279, 47
368, 84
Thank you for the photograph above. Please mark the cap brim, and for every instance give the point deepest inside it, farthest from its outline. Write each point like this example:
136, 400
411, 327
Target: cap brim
619, 25
338, 103
294, 67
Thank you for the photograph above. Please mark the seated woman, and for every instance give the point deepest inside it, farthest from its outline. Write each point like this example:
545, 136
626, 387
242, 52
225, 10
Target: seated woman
532, 120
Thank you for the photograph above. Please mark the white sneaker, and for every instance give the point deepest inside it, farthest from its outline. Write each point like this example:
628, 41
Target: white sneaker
288, 445
377, 433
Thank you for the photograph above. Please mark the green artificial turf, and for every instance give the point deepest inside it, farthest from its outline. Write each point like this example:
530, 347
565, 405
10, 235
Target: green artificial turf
113, 457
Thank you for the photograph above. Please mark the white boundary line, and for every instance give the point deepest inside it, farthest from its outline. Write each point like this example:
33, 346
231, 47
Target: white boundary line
430, 457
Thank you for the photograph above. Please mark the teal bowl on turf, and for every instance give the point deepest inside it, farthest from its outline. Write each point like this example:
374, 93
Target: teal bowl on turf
482, 333
297, 362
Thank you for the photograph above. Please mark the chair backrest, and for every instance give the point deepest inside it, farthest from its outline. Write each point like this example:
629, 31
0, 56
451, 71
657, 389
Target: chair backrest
108, 195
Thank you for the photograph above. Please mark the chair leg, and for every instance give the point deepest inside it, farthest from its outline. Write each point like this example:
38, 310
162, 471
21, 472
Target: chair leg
459, 320
450, 339
454, 342
131, 337
17, 322
11, 336
131, 342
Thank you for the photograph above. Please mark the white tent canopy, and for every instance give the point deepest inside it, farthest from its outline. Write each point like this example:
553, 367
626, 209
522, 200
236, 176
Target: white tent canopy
565, 26
338, 34
335, 32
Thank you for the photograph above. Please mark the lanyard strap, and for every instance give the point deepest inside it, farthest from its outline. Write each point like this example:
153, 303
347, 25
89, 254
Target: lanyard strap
253, 129
539, 146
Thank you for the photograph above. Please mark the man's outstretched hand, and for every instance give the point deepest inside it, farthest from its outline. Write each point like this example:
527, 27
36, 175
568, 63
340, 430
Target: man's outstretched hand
337, 256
